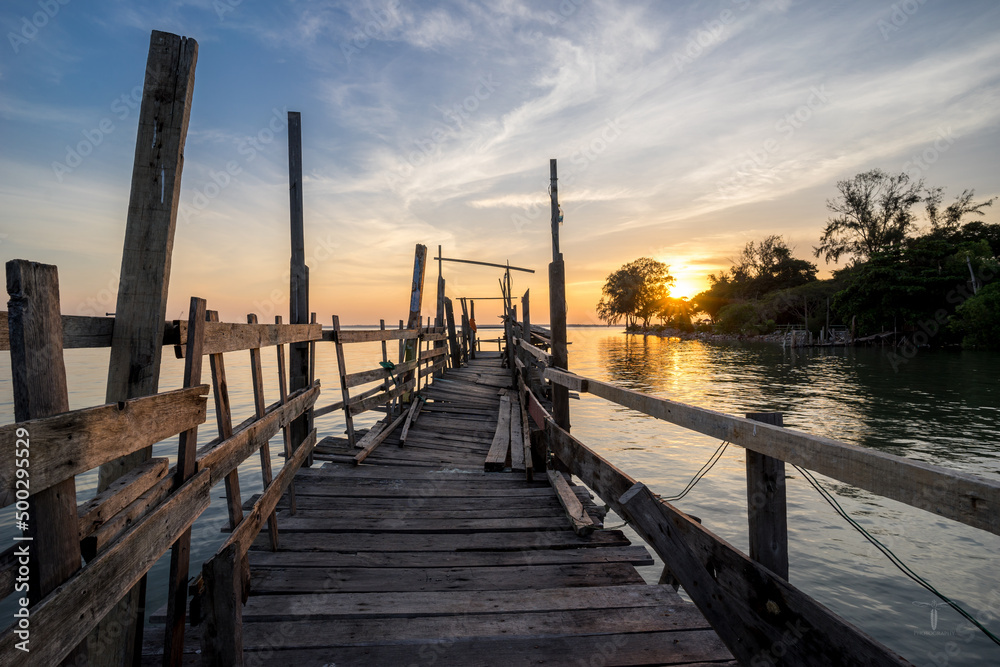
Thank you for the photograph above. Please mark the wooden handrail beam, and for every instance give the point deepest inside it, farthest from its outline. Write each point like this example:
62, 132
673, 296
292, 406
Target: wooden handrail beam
949, 493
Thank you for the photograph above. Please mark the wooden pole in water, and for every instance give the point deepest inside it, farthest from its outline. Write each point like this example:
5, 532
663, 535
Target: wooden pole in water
456, 354
140, 313
413, 324
298, 353
472, 328
557, 307
38, 376
180, 553
766, 508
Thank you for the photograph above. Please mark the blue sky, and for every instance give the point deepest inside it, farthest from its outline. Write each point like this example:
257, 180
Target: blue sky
683, 130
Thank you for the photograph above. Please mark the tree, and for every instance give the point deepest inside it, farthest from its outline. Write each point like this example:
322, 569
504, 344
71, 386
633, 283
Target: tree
978, 319
951, 218
634, 292
766, 266
873, 215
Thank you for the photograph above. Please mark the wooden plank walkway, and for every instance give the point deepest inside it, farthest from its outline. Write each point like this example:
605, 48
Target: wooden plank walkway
419, 557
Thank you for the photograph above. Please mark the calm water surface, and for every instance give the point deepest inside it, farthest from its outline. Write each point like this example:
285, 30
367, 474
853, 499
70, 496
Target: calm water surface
942, 407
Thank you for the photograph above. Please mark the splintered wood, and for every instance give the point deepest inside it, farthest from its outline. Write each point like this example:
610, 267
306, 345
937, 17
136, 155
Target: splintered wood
508, 448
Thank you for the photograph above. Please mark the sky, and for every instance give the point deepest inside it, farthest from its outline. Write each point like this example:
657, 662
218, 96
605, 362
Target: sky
682, 131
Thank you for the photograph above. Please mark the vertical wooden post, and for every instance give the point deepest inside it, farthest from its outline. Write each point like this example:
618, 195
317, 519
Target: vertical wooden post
298, 353
557, 308
140, 313
413, 324
345, 393
38, 376
472, 327
180, 553
224, 419
260, 407
456, 359
465, 330
283, 394
767, 512
526, 334
439, 313
222, 637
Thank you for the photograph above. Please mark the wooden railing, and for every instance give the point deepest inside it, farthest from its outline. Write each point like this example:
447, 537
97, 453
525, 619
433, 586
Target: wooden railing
747, 598
124, 530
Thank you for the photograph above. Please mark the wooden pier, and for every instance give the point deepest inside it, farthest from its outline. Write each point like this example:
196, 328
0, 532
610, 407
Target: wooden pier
418, 554
464, 528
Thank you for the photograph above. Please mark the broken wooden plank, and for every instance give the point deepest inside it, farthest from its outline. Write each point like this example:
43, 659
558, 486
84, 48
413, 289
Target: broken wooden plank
500, 449
581, 521
378, 439
411, 419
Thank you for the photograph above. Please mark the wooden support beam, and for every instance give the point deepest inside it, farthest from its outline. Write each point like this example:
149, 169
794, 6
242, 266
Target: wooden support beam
260, 409
224, 419
283, 393
766, 506
456, 358
582, 524
122, 492
439, 258
516, 436
225, 592
140, 312
379, 438
187, 449
499, 453
413, 323
299, 358
38, 376
342, 371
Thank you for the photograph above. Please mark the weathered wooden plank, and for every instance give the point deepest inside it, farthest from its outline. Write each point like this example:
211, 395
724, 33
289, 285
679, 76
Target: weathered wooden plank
516, 437
541, 626
77, 331
408, 525
225, 593
260, 409
500, 448
380, 399
638, 648
369, 335
751, 608
122, 492
949, 493
92, 436
543, 357
634, 555
364, 377
67, 615
581, 522
237, 337
435, 508
347, 579
223, 457
556, 539
411, 419
378, 439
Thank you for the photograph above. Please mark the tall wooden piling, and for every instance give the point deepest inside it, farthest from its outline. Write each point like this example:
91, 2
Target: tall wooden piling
557, 306
298, 353
413, 323
456, 353
140, 313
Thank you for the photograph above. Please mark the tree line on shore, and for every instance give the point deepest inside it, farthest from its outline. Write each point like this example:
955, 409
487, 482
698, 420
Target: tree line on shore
931, 279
